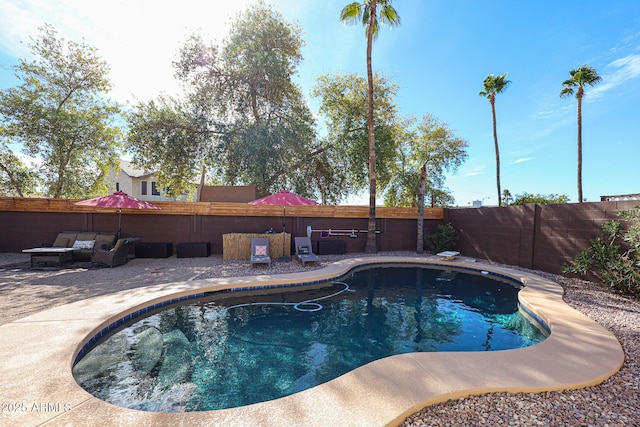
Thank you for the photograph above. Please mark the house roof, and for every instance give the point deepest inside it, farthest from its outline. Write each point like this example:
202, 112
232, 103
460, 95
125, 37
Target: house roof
133, 171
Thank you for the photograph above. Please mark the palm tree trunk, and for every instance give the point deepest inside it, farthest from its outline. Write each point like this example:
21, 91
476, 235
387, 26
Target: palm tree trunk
371, 246
495, 142
421, 190
579, 146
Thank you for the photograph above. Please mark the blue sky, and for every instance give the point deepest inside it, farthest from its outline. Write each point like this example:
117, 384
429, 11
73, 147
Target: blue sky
439, 57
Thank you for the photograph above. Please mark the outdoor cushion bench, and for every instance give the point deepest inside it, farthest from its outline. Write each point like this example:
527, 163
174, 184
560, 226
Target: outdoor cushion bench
193, 249
153, 249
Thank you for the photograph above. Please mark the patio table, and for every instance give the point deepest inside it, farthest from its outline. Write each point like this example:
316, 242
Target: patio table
58, 255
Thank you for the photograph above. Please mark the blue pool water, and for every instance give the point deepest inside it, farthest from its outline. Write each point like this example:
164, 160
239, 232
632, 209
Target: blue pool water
234, 349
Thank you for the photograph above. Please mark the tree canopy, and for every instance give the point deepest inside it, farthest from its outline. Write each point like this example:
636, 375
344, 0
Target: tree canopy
16, 180
424, 152
247, 120
344, 106
60, 114
427, 150
542, 199
240, 120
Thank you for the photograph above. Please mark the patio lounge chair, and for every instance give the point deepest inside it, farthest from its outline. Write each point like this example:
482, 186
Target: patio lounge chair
116, 256
260, 251
304, 253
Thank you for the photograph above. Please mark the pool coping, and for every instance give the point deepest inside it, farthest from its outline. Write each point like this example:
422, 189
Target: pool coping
38, 351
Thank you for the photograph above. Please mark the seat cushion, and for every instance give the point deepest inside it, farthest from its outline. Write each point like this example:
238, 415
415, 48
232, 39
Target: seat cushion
61, 242
105, 241
64, 240
86, 236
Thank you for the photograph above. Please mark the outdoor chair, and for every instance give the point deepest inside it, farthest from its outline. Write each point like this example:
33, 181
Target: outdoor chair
304, 253
260, 251
116, 256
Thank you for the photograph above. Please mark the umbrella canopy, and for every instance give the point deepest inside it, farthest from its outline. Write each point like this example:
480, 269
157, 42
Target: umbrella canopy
284, 198
118, 200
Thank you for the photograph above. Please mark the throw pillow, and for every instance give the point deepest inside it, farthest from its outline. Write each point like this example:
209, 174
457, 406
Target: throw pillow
261, 251
303, 250
83, 244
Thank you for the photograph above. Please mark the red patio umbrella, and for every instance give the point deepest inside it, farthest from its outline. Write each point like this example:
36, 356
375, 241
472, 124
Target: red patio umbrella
118, 200
284, 198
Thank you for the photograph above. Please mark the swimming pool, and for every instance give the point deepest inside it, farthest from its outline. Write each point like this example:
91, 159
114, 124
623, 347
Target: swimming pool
38, 353
237, 348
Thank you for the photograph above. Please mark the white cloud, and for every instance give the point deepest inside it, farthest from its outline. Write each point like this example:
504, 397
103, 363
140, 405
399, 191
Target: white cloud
620, 72
626, 69
522, 160
545, 114
475, 171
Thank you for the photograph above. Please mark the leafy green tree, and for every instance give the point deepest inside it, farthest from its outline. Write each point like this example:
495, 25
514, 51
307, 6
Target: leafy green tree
404, 187
437, 149
247, 119
344, 106
507, 198
580, 77
367, 13
165, 136
494, 85
524, 198
61, 115
16, 180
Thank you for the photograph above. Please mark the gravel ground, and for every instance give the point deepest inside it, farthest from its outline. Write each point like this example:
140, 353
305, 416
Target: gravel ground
25, 291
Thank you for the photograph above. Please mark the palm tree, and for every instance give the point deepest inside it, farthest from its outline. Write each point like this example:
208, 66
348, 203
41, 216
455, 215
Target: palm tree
584, 75
494, 85
367, 13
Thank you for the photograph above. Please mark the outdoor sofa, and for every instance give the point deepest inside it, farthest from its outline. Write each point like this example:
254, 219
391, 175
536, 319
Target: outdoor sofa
85, 242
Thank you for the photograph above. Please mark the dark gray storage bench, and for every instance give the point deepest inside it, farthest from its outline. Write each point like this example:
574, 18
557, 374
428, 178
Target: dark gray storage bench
329, 247
153, 249
193, 249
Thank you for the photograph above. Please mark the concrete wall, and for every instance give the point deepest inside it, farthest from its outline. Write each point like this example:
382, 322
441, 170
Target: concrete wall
540, 237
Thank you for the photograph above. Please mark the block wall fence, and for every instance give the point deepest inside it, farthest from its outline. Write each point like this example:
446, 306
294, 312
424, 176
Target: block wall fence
539, 237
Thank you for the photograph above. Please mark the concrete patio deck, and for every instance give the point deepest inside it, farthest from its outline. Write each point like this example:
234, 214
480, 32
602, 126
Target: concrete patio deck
38, 351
